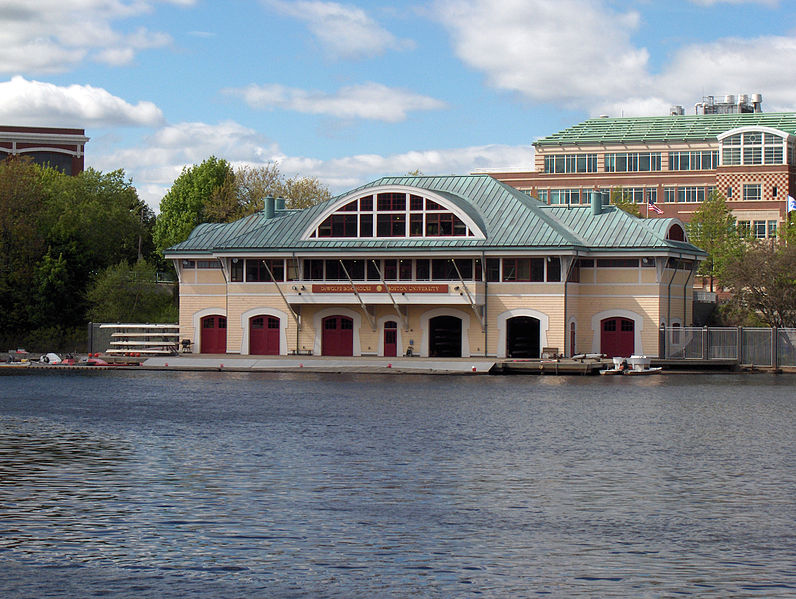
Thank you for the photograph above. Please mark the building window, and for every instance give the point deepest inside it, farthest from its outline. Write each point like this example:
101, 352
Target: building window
669, 194
772, 228
693, 161
627, 162
753, 147
743, 227
751, 192
257, 271
729, 192
693, 194
553, 269
570, 163
425, 218
774, 191
759, 229
236, 270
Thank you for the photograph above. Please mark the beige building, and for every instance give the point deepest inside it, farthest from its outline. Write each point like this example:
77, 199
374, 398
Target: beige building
435, 266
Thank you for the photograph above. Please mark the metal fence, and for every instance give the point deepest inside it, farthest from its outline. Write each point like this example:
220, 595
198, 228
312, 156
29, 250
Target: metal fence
747, 345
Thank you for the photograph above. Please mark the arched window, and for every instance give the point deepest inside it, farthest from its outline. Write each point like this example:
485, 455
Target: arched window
392, 214
753, 145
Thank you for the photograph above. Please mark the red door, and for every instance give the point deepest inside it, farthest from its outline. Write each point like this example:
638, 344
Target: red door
338, 336
617, 337
264, 336
390, 338
214, 335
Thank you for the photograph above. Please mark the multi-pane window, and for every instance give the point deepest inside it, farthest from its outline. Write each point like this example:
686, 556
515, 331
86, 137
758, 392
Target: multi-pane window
396, 215
570, 163
626, 162
693, 160
693, 194
564, 196
260, 271
751, 192
753, 147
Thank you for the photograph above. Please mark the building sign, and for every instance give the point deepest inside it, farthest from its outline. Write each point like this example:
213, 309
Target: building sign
381, 288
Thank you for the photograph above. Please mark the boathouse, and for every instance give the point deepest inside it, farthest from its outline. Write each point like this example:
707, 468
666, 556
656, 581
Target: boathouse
452, 266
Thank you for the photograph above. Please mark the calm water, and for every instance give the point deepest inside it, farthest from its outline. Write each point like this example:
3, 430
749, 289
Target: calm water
222, 485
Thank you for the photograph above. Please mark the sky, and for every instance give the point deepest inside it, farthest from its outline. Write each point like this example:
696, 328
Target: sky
351, 91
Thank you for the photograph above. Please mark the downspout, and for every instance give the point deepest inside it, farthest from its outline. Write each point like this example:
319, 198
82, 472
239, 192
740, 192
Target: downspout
669, 296
486, 298
685, 286
566, 303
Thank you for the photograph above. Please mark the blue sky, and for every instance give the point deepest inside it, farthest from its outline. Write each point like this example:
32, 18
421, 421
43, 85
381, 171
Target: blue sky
351, 91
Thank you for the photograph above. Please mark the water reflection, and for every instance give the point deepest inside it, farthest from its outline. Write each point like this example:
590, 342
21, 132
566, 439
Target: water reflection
362, 486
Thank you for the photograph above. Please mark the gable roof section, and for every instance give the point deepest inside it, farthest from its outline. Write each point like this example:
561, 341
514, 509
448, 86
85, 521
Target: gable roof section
701, 127
509, 218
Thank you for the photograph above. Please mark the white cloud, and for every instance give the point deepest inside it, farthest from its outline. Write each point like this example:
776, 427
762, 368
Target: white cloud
159, 159
579, 53
54, 35
564, 51
366, 101
24, 102
345, 31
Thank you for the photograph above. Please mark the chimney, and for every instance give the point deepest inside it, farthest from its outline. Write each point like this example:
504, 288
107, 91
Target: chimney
270, 206
596, 203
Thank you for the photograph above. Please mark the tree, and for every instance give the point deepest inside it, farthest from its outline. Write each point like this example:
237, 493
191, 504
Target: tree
624, 201
124, 293
184, 205
21, 239
303, 192
713, 229
245, 193
762, 278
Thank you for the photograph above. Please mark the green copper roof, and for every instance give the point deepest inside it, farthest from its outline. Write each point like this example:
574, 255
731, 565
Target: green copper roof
665, 128
509, 219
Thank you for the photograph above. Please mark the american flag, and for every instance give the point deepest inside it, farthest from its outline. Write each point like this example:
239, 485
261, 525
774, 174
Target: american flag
654, 208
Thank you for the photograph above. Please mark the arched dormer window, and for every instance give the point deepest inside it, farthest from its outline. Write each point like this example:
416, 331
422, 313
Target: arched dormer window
393, 213
754, 145
675, 233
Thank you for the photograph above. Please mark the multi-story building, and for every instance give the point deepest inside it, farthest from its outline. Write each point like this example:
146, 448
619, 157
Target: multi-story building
435, 266
673, 163
56, 147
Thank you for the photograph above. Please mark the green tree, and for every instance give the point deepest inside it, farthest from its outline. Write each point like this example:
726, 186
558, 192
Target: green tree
21, 240
245, 193
622, 200
762, 278
184, 205
713, 229
124, 293
91, 221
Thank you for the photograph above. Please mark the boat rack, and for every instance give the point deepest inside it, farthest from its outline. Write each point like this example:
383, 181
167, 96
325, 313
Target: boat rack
143, 339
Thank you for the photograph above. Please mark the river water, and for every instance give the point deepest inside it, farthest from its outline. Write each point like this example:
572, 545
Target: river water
141, 484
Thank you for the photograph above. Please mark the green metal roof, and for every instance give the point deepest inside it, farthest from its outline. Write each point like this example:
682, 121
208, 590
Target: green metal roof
508, 217
702, 127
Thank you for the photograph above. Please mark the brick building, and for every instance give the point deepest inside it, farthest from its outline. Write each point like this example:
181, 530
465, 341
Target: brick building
673, 162
57, 147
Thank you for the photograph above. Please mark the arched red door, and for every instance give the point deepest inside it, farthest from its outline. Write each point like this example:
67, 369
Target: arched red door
617, 337
337, 338
214, 334
264, 336
390, 338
